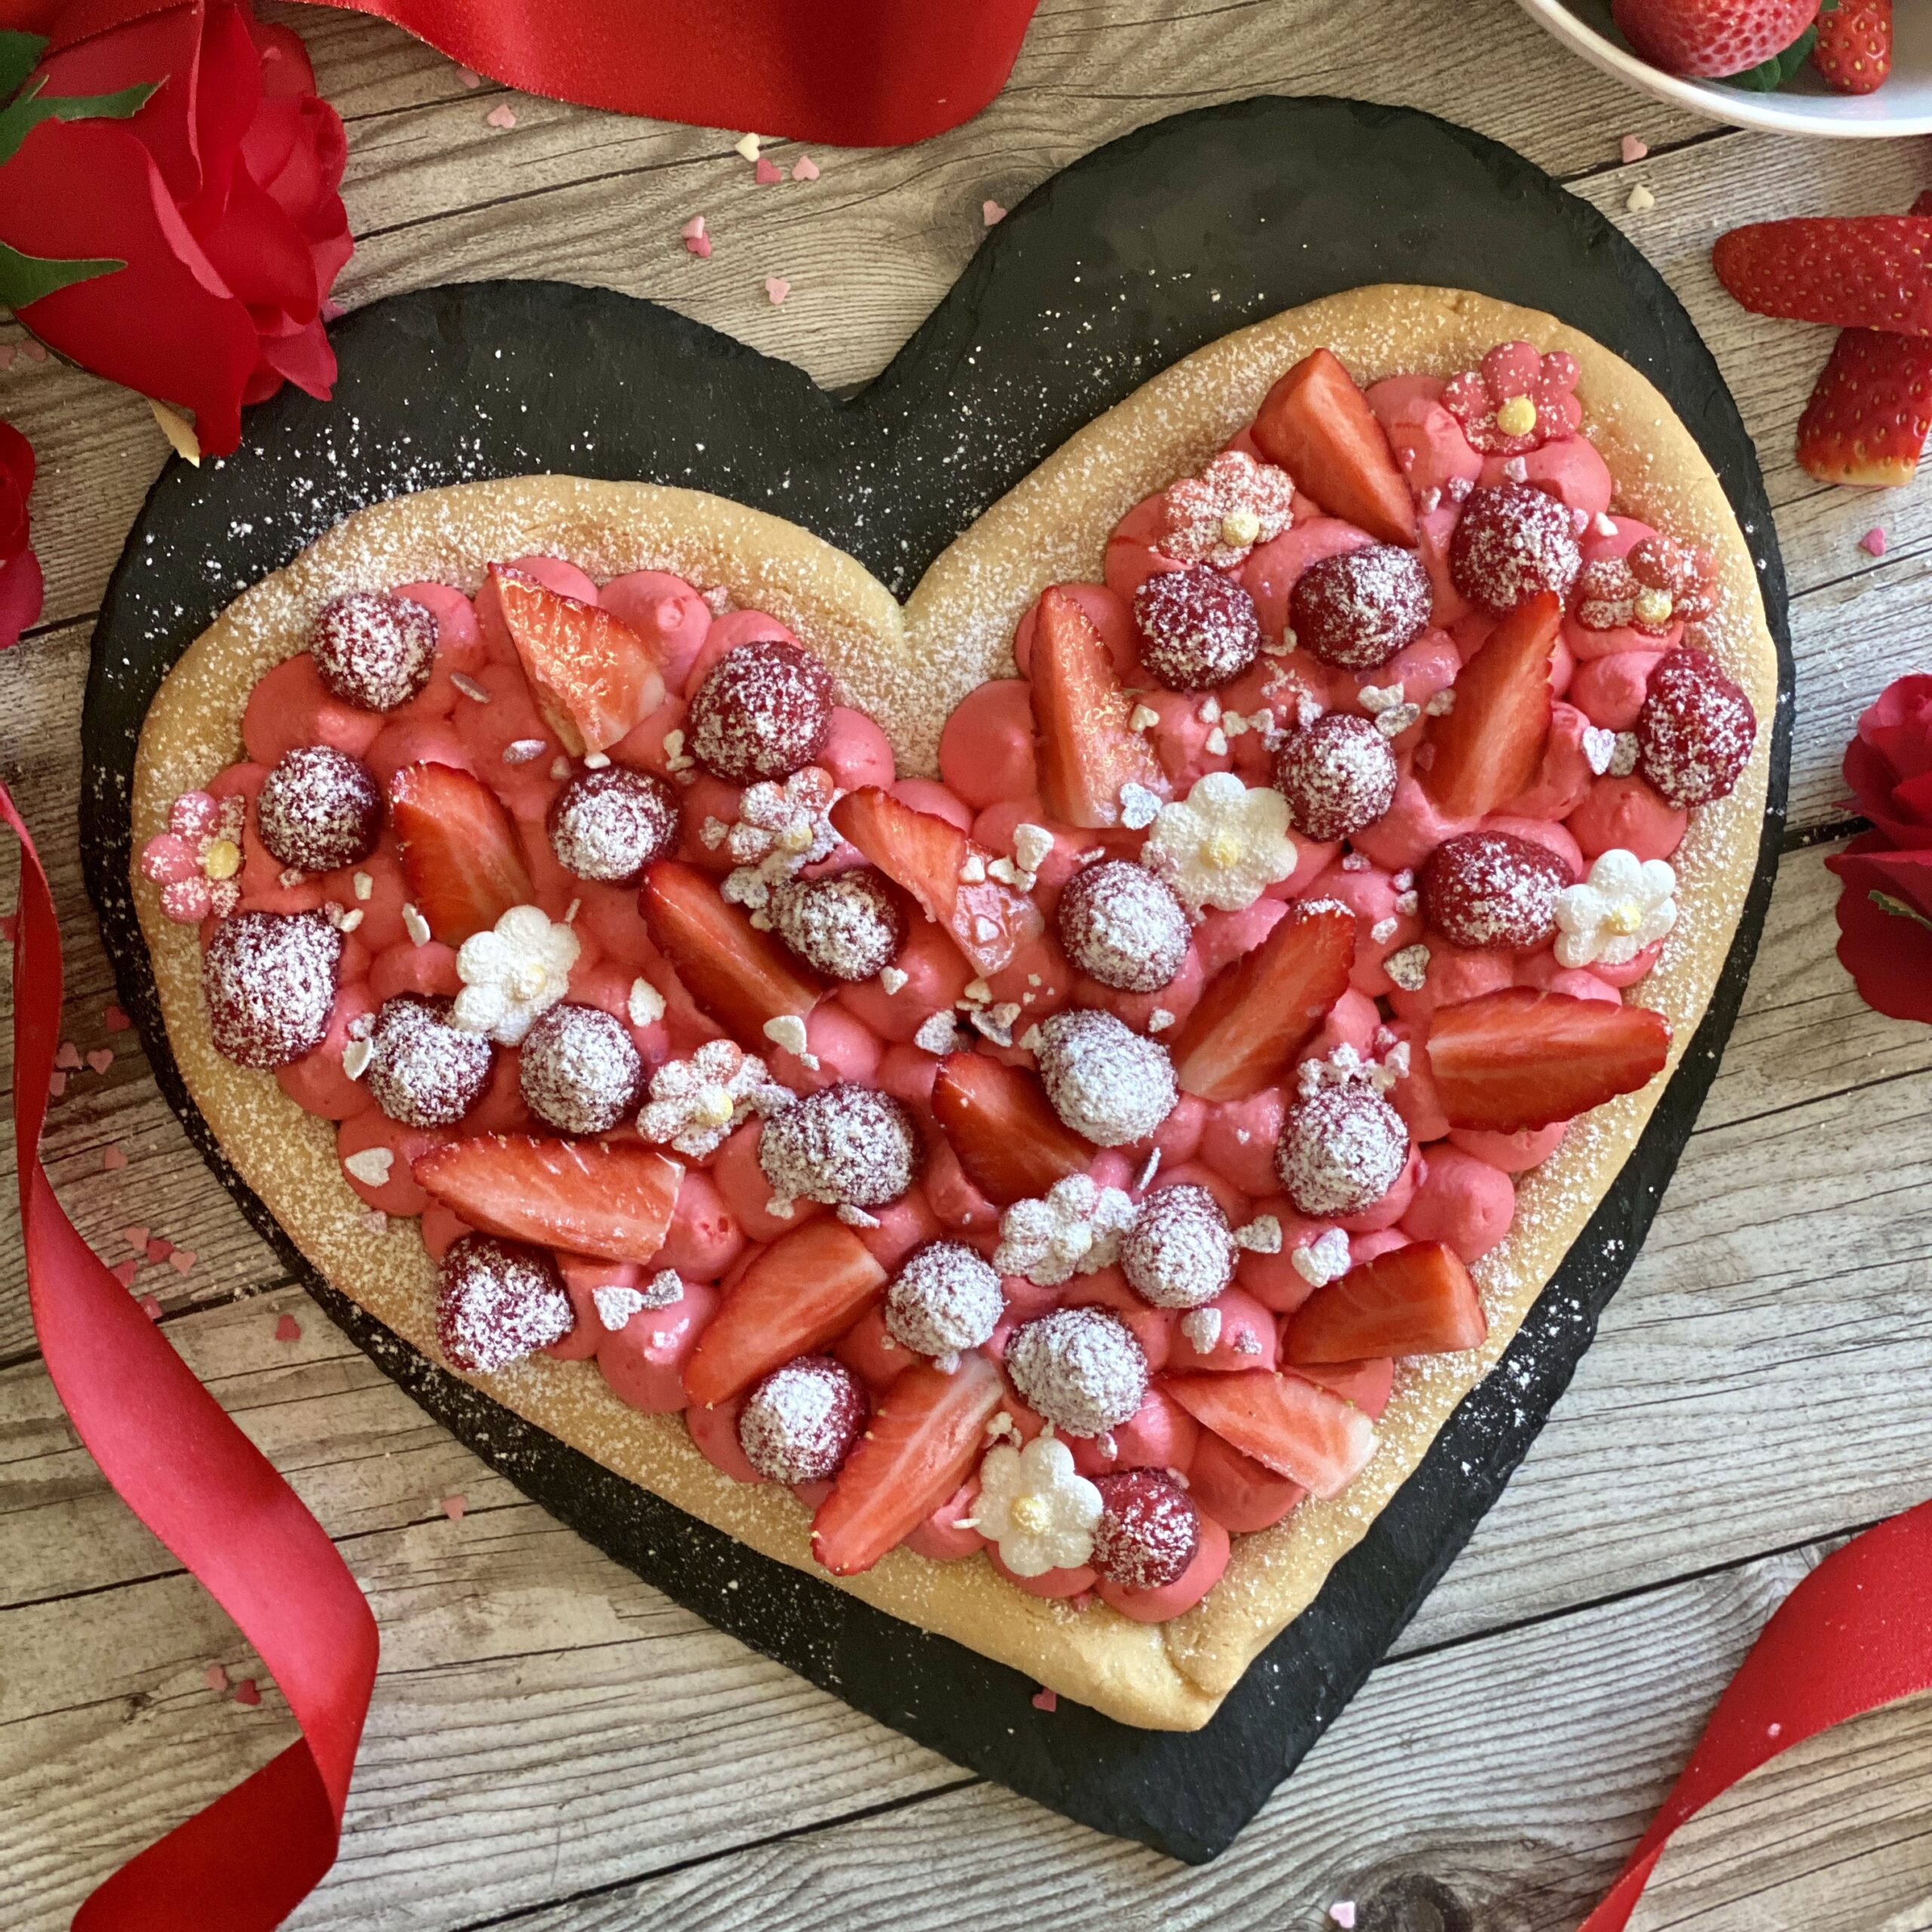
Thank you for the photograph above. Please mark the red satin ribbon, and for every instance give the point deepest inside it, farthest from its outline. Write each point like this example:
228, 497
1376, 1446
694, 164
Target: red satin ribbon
166, 1445
859, 73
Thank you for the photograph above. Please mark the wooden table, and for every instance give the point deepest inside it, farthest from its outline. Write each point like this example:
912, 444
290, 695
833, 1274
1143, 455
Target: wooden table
556, 1747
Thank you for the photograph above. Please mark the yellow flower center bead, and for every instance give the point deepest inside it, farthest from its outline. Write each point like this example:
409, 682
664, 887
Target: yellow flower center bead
1517, 417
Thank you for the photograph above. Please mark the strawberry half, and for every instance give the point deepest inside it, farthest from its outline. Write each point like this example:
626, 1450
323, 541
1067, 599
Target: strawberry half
1286, 1422
612, 1199
1260, 1008
806, 1287
1487, 749
921, 1443
1368, 1384
459, 850
1317, 424
928, 855
1417, 1300
593, 677
1087, 749
1008, 1138
1853, 51
1871, 412
1711, 37
741, 977
1859, 271
1519, 1058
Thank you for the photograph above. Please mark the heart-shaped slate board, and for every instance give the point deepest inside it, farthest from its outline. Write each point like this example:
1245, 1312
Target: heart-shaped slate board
1110, 271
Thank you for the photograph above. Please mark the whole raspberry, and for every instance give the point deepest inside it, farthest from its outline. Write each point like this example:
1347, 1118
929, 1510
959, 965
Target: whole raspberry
1493, 889
944, 1299
762, 712
1198, 629
579, 1069
1695, 730
1179, 1253
1341, 1149
1123, 925
497, 1302
608, 825
373, 650
1358, 609
1510, 543
850, 925
1338, 775
319, 809
1148, 1531
423, 1071
848, 1146
268, 979
799, 1424
1079, 1368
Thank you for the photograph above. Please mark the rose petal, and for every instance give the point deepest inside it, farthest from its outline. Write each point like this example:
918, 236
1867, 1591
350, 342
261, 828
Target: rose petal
1888, 956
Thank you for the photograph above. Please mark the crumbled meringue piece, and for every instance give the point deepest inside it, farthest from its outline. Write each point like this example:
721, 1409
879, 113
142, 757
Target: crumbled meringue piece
1262, 1236
696, 1103
1139, 807
1409, 967
1623, 759
616, 1304
645, 1005
937, 1033
1076, 1228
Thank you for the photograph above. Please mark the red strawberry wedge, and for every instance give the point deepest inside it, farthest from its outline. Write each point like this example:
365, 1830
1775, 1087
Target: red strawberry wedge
612, 1199
807, 1287
1260, 1007
1367, 1384
1520, 1058
594, 678
1871, 412
1317, 424
1711, 37
1487, 749
944, 872
1417, 1300
1088, 749
741, 977
1853, 52
1288, 1424
920, 1446
1001, 1125
459, 850
1859, 271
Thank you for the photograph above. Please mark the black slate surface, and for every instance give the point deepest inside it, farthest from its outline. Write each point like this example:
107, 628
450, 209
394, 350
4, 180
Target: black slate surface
1136, 254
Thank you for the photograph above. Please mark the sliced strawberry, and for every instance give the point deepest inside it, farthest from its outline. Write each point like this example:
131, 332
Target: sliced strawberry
1858, 272
1007, 1137
610, 1199
923, 1438
1087, 749
594, 678
1854, 50
741, 977
1367, 1384
459, 850
1519, 1058
1289, 1424
808, 1286
1317, 424
928, 856
1417, 1300
1260, 1007
1871, 412
1487, 748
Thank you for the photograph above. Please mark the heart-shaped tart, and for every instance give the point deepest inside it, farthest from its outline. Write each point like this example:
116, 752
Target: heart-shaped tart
1047, 1152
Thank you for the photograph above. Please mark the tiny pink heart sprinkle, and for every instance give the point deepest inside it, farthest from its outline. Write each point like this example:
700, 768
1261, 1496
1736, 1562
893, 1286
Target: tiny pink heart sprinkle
216, 1677
125, 1271
136, 1237
767, 173
1045, 1700
148, 1304
182, 1259
776, 289
159, 1247
288, 1329
112, 1159
56, 1084
693, 229
114, 1020
68, 1056
248, 1692
991, 213
1873, 541
469, 77
10, 928
804, 169
101, 1058
1631, 149
453, 1507
500, 116
34, 352
1343, 1912
700, 245
8, 351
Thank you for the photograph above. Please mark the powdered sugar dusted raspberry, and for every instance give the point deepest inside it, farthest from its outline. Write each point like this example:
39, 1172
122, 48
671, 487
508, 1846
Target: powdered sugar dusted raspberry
373, 650
762, 712
1219, 516
1179, 1253
423, 1071
609, 825
1124, 926
798, 1425
1198, 629
1105, 1080
944, 1299
1484, 889
579, 1069
1341, 1150
1339, 775
850, 926
319, 809
1148, 1531
1511, 542
268, 979
1695, 730
497, 1302
1358, 609
1079, 1368
844, 1144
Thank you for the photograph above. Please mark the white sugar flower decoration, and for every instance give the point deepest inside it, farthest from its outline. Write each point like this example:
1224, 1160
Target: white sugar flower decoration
695, 1103
1224, 844
781, 828
1625, 905
1039, 1509
1074, 1229
513, 974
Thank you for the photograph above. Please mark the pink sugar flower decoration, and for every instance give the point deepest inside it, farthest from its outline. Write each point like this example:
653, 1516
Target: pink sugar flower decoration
1218, 517
196, 862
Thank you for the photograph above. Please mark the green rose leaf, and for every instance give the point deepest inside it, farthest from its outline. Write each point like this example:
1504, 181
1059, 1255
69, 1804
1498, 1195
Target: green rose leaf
20, 55
25, 279
1899, 909
21, 116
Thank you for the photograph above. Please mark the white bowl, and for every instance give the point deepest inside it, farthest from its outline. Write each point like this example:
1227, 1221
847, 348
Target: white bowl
1903, 105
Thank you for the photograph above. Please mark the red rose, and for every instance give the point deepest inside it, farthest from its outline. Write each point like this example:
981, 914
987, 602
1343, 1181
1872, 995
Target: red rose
1885, 908
216, 198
